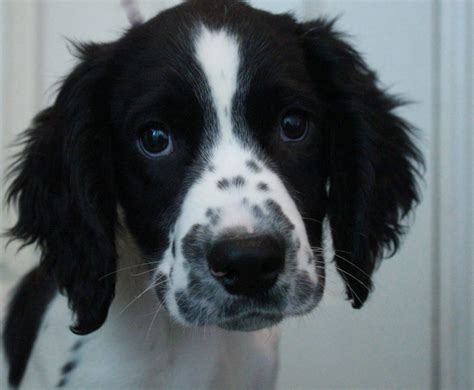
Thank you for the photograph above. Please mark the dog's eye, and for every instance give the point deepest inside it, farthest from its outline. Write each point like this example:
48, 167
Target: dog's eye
294, 126
155, 140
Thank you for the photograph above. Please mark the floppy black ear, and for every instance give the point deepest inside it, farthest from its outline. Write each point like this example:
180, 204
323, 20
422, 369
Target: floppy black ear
63, 186
372, 160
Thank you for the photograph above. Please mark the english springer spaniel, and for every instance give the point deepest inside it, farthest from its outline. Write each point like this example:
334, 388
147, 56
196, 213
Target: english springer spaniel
177, 189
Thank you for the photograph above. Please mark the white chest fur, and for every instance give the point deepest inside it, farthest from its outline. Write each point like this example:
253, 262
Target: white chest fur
140, 348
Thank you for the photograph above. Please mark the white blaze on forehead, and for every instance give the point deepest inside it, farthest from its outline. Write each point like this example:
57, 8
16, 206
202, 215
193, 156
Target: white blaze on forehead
217, 52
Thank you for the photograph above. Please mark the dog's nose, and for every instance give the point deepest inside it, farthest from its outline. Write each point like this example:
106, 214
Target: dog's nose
246, 265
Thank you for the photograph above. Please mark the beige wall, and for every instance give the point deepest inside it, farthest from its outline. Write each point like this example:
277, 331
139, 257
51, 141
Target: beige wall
19, 97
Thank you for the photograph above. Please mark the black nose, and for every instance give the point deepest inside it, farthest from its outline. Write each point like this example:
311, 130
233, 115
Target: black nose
246, 265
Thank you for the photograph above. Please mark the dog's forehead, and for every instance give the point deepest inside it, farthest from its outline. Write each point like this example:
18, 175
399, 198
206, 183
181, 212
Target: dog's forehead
196, 57
169, 39
217, 54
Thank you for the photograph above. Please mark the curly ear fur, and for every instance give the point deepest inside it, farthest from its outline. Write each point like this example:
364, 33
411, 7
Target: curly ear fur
63, 186
373, 163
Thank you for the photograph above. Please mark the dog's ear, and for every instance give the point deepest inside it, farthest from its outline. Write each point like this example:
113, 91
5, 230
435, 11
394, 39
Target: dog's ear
373, 163
62, 181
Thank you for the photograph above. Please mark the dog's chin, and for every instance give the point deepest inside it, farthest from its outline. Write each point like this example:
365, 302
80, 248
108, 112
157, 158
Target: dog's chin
251, 322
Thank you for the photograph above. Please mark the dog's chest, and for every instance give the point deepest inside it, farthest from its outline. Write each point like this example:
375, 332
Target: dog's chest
135, 350
167, 361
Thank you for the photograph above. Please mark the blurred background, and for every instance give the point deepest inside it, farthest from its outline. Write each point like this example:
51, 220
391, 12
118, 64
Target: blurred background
416, 330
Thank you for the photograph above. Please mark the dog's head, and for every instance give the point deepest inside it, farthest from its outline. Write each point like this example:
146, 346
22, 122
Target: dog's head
226, 135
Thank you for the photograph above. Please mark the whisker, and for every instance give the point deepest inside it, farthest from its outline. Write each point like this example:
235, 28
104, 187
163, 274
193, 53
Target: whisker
127, 268
320, 250
312, 219
351, 289
353, 277
348, 252
351, 263
151, 286
153, 319
345, 279
327, 290
145, 272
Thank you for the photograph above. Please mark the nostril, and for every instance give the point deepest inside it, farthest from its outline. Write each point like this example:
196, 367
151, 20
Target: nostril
218, 274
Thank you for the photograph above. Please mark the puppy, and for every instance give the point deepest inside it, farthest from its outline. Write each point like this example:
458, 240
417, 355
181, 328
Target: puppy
177, 189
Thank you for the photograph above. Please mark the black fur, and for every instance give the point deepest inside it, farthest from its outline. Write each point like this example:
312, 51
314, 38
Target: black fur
79, 160
64, 186
25, 315
372, 161
223, 184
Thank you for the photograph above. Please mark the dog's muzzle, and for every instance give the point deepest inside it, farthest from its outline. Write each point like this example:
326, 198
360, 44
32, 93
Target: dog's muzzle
239, 256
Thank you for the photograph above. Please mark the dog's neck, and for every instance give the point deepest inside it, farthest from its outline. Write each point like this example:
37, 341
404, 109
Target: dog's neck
135, 298
140, 340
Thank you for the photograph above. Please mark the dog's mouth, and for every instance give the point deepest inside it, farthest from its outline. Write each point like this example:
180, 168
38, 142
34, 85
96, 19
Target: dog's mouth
204, 304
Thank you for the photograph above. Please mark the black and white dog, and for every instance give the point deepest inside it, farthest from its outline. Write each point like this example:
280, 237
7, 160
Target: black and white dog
177, 188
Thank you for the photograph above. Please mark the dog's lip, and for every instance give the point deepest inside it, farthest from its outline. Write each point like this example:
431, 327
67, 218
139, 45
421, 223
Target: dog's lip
252, 321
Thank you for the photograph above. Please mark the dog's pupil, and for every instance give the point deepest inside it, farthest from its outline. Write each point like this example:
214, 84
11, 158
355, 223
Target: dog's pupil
294, 126
156, 139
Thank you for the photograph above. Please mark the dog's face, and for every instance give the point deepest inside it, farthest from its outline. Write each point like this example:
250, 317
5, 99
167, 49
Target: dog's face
226, 135
217, 132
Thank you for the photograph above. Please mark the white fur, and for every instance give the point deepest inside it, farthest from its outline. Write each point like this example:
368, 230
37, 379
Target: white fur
140, 347
217, 52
